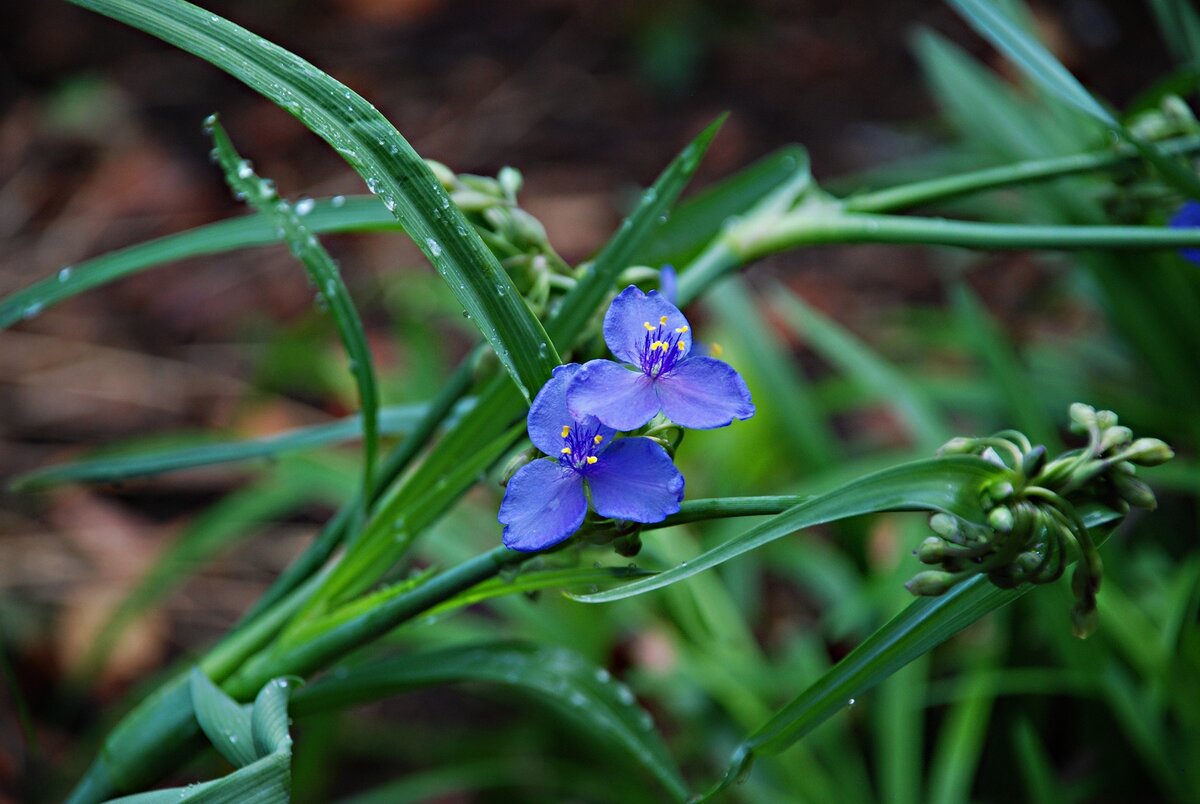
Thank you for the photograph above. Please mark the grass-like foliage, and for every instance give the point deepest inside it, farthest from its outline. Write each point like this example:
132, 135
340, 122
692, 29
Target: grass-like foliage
408, 585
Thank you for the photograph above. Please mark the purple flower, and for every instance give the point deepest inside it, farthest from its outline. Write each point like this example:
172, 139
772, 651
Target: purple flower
650, 333
629, 478
1187, 217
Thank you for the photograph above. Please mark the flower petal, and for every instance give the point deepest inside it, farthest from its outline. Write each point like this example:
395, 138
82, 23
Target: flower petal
703, 393
1187, 217
543, 504
635, 479
548, 413
619, 398
624, 323
668, 284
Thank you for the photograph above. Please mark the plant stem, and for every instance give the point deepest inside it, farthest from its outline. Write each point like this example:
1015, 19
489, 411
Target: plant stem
726, 507
332, 645
805, 226
945, 187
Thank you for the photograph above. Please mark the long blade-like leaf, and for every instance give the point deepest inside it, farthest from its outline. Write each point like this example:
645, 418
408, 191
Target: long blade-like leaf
378, 153
586, 694
940, 484
926, 623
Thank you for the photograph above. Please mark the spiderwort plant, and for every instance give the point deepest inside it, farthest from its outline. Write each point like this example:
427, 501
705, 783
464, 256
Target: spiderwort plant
650, 334
628, 478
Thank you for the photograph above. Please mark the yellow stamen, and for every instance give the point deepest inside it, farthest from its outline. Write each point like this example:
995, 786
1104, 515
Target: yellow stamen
680, 345
715, 349
662, 320
598, 439
646, 324
682, 329
657, 344
566, 431
592, 459
566, 450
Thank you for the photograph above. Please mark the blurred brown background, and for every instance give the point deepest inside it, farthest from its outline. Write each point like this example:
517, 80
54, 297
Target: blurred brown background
101, 147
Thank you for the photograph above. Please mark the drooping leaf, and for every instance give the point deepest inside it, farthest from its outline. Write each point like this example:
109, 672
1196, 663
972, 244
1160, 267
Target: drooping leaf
587, 695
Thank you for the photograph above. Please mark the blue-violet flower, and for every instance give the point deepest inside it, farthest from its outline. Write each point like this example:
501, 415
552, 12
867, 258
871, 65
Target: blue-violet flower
629, 478
1187, 217
649, 332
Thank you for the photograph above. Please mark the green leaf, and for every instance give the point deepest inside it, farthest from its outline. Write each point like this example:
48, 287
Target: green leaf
353, 214
926, 623
618, 253
1031, 57
700, 218
322, 272
378, 153
603, 708
133, 462
940, 484
1179, 25
269, 717
225, 722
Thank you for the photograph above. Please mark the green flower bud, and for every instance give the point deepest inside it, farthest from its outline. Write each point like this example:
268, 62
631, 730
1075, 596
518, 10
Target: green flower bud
472, 201
946, 526
1134, 491
482, 184
1116, 436
931, 582
511, 182
1000, 491
1149, 452
957, 446
1084, 620
1106, 419
629, 545
529, 230
520, 459
1001, 519
1083, 417
443, 174
931, 551
1033, 461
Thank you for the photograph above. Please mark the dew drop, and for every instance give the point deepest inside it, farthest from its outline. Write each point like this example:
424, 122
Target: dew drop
603, 676
850, 702
31, 310
338, 200
233, 738
244, 170
305, 206
625, 695
64, 273
373, 185
435, 248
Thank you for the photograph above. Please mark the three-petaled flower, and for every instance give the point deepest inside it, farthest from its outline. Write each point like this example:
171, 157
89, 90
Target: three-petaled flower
650, 333
629, 478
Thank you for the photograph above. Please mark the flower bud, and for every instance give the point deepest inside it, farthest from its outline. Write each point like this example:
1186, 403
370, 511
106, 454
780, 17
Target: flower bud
485, 185
1001, 519
628, 545
472, 201
957, 446
529, 230
931, 551
511, 182
520, 459
443, 174
1134, 491
1084, 620
1106, 419
1149, 452
1000, 491
946, 526
931, 582
1083, 417
1116, 436
1033, 461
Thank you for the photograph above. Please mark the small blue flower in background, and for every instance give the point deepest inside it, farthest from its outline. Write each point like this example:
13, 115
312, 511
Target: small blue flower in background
1188, 217
629, 478
650, 333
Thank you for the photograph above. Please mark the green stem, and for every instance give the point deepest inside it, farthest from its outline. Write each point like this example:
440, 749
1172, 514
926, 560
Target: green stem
805, 226
725, 507
332, 645
942, 188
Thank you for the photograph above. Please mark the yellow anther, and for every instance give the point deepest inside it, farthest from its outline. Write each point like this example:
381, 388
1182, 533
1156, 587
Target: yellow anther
715, 349
662, 320
682, 329
592, 459
598, 439
566, 450
566, 431
646, 324
680, 345
657, 344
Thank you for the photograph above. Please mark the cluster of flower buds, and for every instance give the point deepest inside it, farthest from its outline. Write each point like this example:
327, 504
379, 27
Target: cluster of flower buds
1034, 529
516, 238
